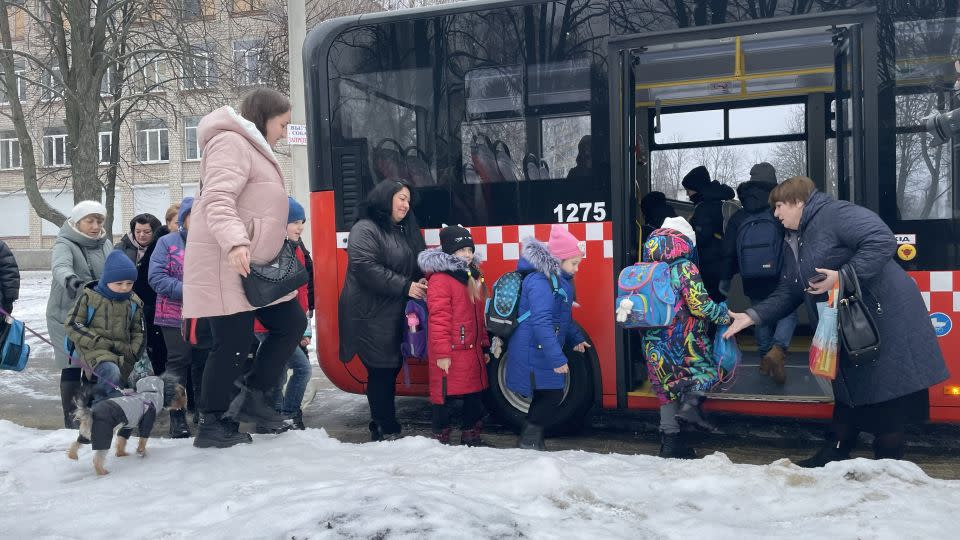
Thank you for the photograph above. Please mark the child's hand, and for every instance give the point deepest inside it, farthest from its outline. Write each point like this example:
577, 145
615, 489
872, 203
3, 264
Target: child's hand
444, 365
582, 347
562, 369
305, 342
486, 358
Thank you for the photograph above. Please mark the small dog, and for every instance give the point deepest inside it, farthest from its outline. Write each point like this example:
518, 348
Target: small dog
97, 423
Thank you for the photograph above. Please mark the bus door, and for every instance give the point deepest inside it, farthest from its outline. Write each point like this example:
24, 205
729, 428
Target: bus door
729, 97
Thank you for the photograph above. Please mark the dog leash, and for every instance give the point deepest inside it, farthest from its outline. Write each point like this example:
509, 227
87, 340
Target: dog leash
73, 359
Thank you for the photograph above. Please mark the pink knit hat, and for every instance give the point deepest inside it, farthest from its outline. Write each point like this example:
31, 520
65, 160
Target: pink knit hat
562, 244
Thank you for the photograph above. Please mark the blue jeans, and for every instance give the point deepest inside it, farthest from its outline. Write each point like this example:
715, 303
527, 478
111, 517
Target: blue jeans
108, 376
779, 333
302, 371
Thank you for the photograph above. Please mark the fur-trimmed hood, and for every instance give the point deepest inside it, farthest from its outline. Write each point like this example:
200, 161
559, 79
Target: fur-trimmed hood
434, 261
535, 256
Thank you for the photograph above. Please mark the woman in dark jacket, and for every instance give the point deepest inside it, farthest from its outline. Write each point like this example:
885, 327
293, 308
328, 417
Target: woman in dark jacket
9, 279
382, 273
883, 396
138, 245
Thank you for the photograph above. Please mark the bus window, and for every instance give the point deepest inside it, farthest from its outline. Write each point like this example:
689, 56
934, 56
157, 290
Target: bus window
924, 185
563, 146
693, 126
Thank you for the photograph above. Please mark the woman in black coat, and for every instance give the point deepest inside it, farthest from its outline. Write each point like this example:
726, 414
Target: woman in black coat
382, 273
138, 245
879, 397
9, 279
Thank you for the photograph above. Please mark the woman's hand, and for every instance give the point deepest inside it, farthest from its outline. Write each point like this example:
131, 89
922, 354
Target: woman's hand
418, 291
239, 258
740, 321
444, 365
562, 369
305, 342
582, 347
824, 286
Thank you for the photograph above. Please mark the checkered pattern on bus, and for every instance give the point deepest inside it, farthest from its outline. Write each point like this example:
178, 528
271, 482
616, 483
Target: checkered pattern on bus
502, 243
940, 290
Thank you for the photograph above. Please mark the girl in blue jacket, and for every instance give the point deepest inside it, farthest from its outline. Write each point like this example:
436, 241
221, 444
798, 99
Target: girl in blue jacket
536, 365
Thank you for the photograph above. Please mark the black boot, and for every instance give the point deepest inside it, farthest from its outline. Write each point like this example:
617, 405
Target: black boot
690, 413
219, 432
672, 445
377, 434
832, 450
531, 437
273, 428
471, 436
298, 421
70, 389
178, 425
252, 405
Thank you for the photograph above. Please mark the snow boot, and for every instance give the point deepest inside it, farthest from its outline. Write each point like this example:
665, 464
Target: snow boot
178, 425
252, 405
377, 434
773, 364
531, 437
690, 413
273, 429
673, 445
298, 421
443, 436
471, 436
70, 388
832, 450
219, 432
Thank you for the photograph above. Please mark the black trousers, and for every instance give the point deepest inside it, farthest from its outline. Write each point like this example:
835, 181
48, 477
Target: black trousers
473, 411
185, 362
543, 407
156, 346
233, 340
381, 396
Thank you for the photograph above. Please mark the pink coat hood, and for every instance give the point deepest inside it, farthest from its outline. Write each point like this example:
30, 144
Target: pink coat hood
242, 202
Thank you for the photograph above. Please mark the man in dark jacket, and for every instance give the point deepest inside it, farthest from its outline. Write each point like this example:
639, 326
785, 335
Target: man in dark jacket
707, 222
9, 279
773, 340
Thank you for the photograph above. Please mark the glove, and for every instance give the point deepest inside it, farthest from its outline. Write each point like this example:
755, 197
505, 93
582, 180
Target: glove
73, 286
496, 346
724, 287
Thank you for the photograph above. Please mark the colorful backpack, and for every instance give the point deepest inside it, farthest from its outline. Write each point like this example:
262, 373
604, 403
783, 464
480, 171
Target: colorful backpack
14, 350
502, 307
645, 297
414, 343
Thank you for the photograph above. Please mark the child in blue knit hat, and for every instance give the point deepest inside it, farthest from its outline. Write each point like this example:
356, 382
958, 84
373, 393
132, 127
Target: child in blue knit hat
106, 325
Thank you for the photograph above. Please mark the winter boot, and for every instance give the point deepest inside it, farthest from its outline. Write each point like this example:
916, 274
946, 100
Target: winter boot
252, 405
219, 432
443, 436
377, 434
471, 436
298, 421
672, 445
690, 413
70, 389
832, 450
178, 425
273, 428
531, 437
774, 362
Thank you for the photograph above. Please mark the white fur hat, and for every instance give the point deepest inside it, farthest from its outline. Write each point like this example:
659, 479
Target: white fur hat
682, 226
86, 208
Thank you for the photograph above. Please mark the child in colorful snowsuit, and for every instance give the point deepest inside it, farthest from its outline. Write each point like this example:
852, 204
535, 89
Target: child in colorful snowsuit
106, 325
536, 363
458, 344
680, 356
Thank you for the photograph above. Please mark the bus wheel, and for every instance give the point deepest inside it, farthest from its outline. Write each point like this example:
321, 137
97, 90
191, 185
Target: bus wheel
511, 408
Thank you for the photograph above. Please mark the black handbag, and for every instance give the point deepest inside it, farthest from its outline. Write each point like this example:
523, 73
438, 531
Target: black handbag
858, 331
269, 282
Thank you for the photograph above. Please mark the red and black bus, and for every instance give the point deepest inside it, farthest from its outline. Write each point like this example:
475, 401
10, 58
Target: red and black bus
510, 116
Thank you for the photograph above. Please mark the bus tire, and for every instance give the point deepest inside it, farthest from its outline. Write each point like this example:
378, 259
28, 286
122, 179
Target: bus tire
511, 408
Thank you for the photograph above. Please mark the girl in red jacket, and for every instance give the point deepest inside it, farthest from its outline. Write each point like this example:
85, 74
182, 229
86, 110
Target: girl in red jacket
459, 347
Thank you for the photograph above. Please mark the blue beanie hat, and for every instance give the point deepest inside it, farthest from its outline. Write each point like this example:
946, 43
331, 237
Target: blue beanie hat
186, 205
295, 213
118, 267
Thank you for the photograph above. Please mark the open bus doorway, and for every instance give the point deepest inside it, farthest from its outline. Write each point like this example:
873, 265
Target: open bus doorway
731, 102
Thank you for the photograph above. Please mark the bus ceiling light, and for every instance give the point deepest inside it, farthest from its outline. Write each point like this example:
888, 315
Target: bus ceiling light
942, 126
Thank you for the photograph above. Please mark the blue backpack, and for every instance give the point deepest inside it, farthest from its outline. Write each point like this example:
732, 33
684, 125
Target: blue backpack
501, 311
760, 246
14, 350
645, 297
71, 347
414, 343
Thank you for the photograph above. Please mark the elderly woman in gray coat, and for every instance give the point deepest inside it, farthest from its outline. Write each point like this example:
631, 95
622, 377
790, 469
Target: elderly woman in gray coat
78, 256
879, 397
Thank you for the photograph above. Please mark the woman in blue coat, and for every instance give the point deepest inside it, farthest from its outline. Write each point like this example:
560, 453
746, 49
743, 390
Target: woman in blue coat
879, 397
536, 364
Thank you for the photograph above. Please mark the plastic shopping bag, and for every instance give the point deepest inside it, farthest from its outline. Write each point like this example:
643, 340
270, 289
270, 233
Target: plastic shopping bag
726, 353
823, 351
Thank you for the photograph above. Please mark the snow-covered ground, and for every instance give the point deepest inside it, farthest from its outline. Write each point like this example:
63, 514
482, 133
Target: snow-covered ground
308, 485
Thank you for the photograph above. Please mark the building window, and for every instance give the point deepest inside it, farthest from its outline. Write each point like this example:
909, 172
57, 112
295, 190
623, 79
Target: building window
151, 72
196, 9
52, 84
152, 141
108, 81
198, 69
16, 15
248, 57
105, 144
9, 151
240, 7
191, 141
19, 67
56, 153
